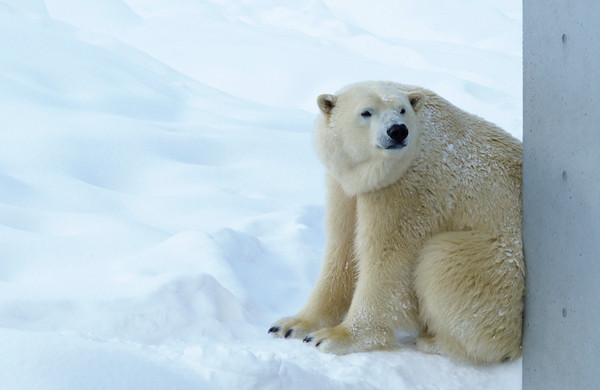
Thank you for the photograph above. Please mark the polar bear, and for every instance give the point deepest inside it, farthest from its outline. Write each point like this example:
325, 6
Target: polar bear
423, 228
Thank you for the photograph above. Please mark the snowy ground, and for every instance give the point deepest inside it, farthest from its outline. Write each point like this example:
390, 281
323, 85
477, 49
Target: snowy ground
160, 203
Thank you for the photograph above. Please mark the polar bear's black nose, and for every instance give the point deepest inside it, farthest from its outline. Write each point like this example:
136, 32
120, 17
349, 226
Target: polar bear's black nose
398, 133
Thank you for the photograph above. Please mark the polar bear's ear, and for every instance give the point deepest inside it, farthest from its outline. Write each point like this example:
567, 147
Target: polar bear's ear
326, 102
416, 99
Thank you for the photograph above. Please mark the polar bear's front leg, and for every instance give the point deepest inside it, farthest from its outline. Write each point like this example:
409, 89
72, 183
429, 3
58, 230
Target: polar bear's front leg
383, 303
384, 299
331, 296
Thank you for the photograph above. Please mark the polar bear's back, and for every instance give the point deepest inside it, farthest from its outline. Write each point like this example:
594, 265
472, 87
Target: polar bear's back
474, 166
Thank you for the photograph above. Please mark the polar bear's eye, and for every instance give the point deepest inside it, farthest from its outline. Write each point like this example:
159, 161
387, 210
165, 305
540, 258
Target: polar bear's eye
365, 114
402, 111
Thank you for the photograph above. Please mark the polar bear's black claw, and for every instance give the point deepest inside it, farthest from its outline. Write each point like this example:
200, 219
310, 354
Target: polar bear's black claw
308, 339
289, 333
274, 329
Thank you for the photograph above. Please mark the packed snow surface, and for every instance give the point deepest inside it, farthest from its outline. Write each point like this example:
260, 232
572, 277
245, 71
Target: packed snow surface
160, 202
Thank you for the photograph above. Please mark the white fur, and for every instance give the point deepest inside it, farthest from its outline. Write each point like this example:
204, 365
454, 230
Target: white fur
424, 238
359, 169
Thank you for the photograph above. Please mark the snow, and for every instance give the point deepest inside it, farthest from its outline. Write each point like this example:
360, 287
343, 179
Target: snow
160, 202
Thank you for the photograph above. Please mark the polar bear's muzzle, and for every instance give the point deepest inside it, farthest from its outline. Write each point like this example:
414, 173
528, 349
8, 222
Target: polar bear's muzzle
396, 137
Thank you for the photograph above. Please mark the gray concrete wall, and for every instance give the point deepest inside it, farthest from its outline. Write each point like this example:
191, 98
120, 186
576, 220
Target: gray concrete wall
561, 194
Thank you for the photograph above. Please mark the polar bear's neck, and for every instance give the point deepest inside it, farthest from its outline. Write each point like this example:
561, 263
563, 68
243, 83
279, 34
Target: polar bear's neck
371, 175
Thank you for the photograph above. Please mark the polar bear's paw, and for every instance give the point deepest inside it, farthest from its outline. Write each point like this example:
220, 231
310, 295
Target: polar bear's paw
340, 340
293, 327
337, 340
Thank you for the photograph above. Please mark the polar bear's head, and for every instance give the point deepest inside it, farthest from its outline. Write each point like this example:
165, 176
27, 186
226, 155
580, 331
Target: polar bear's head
368, 133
